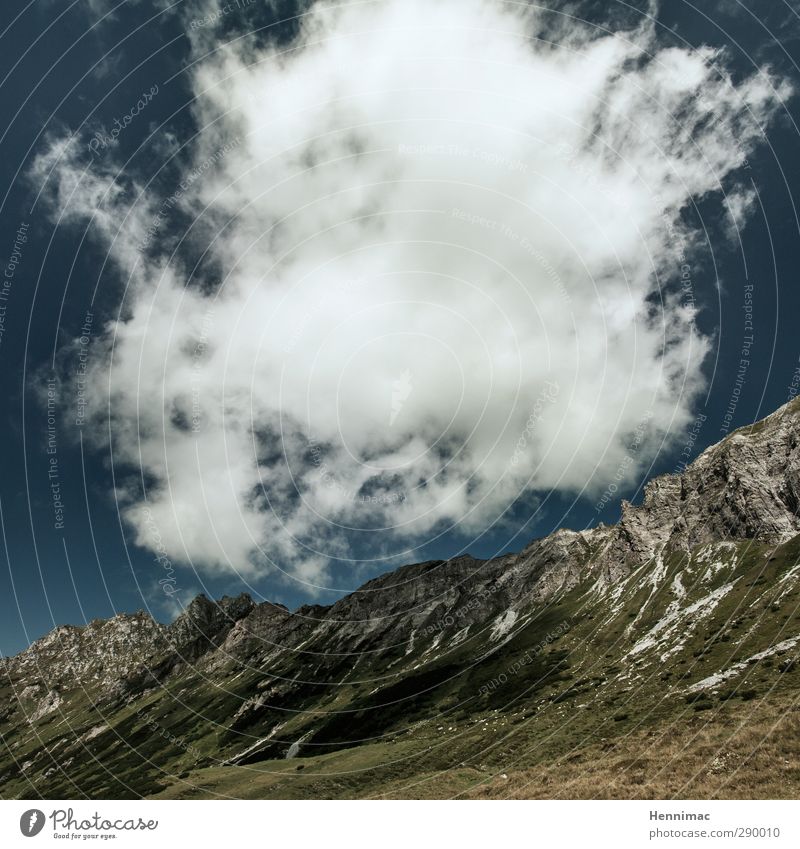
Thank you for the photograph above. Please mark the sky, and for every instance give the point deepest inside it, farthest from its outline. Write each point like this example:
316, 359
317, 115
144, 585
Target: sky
295, 293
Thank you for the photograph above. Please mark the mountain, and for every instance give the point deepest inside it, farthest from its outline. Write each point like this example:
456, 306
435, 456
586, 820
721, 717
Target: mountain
657, 657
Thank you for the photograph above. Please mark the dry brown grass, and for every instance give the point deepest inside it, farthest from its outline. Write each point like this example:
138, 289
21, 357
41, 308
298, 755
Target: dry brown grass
739, 752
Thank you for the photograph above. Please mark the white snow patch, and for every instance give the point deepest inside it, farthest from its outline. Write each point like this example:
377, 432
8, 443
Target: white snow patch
436, 640
708, 551
616, 603
789, 578
654, 579
294, 749
656, 576
679, 591
48, 704
503, 624
94, 732
719, 677
716, 557
664, 629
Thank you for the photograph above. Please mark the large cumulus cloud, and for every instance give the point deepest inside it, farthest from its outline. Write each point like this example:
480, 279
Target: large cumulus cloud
445, 244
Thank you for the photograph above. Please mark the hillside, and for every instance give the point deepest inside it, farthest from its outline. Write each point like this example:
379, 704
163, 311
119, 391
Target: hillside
656, 657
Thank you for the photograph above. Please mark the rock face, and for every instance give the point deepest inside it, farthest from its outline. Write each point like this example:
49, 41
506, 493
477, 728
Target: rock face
244, 681
97, 654
745, 487
203, 626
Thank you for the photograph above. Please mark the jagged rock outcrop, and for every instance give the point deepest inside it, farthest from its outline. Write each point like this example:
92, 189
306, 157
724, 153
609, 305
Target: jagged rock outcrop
96, 654
204, 624
745, 487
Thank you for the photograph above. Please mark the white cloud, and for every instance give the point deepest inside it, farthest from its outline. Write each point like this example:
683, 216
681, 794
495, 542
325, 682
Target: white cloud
422, 200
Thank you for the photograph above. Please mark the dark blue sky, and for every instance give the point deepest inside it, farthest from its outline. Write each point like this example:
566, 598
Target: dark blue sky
60, 71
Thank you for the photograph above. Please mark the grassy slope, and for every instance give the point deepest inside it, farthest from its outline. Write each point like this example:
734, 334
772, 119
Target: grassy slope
586, 721
581, 717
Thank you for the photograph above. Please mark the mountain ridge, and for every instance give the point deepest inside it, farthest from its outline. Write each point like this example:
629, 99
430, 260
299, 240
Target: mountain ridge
696, 584
658, 492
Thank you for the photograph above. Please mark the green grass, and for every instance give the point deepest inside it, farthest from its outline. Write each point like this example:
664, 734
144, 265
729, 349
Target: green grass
549, 694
